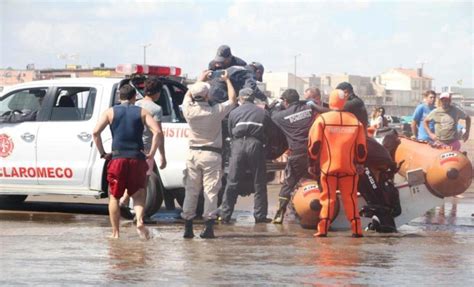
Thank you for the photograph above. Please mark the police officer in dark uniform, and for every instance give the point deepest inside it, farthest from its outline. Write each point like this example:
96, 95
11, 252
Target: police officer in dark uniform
224, 59
295, 121
247, 125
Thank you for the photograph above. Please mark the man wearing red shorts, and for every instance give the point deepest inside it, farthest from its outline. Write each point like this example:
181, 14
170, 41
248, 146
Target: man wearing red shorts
127, 167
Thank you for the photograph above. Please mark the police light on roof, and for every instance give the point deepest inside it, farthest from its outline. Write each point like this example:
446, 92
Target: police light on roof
129, 69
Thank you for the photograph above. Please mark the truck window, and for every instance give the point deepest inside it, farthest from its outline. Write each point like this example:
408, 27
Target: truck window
177, 93
26, 102
163, 101
73, 104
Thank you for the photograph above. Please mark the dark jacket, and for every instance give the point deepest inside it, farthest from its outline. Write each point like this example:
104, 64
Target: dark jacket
240, 77
295, 122
248, 120
236, 61
356, 106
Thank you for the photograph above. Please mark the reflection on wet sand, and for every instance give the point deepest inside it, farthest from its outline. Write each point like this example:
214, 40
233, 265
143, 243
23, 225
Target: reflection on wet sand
38, 217
73, 249
126, 261
440, 216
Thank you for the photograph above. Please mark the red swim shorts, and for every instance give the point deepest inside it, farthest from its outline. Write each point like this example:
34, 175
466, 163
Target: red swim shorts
126, 173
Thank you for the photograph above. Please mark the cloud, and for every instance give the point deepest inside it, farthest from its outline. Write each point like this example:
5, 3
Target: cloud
358, 37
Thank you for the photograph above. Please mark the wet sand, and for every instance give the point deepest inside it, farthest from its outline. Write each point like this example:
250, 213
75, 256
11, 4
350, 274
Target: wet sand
69, 247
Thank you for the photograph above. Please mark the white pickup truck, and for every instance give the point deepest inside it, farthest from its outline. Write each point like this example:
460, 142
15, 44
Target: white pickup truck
46, 142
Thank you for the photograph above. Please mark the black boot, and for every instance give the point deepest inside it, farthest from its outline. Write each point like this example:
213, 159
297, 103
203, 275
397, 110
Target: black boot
188, 229
280, 214
208, 230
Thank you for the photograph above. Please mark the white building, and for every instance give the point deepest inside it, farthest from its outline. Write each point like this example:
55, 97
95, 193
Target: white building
277, 83
402, 87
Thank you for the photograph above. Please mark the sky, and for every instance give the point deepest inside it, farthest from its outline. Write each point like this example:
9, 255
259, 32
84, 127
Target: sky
356, 37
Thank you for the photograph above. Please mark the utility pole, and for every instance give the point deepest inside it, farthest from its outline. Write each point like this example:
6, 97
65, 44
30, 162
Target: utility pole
420, 74
144, 52
296, 56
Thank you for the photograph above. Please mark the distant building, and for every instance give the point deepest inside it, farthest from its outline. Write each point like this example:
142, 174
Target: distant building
312, 82
402, 87
77, 72
12, 77
277, 83
362, 85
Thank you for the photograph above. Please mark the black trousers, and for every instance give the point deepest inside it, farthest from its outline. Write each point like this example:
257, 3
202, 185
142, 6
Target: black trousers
296, 168
247, 173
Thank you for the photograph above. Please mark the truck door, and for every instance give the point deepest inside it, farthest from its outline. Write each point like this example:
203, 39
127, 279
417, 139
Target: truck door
176, 132
20, 118
65, 139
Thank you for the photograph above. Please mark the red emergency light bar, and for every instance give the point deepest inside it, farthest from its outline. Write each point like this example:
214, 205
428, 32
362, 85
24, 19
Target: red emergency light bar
129, 69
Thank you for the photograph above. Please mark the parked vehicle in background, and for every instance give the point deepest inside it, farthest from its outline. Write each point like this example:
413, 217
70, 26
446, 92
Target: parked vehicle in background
400, 124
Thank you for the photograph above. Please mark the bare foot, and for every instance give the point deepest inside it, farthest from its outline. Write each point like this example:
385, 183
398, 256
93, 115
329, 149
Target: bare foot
114, 235
143, 232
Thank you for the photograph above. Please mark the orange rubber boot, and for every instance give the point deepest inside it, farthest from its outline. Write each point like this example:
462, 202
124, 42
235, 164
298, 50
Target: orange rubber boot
323, 227
356, 227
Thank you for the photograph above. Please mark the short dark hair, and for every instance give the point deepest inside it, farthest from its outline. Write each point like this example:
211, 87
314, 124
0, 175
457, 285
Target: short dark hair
290, 95
382, 110
428, 93
127, 92
246, 94
153, 85
345, 86
314, 90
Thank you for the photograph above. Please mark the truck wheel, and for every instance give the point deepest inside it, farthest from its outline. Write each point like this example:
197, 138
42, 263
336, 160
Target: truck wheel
154, 195
179, 195
12, 199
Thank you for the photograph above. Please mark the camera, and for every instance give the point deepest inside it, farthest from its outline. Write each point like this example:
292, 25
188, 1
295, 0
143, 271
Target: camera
216, 74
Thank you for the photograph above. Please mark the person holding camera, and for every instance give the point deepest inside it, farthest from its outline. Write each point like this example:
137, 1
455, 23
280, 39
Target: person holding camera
204, 162
247, 124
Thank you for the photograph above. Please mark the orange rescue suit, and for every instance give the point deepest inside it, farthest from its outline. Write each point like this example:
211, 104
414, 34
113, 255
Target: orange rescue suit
338, 139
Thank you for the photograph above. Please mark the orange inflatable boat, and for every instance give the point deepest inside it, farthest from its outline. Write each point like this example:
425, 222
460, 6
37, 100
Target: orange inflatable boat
447, 173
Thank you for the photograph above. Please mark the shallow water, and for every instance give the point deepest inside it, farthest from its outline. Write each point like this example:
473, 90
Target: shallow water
70, 249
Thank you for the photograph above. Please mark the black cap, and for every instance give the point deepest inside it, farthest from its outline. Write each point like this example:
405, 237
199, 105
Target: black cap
258, 66
345, 86
223, 52
247, 94
290, 95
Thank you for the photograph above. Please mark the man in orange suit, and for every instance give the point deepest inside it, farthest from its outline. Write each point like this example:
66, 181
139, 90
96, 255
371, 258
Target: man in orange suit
338, 140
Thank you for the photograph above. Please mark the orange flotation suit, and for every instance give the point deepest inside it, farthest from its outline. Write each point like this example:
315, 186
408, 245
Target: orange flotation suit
338, 139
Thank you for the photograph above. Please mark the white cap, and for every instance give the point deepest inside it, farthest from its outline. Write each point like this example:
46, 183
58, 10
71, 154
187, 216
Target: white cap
444, 95
199, 90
